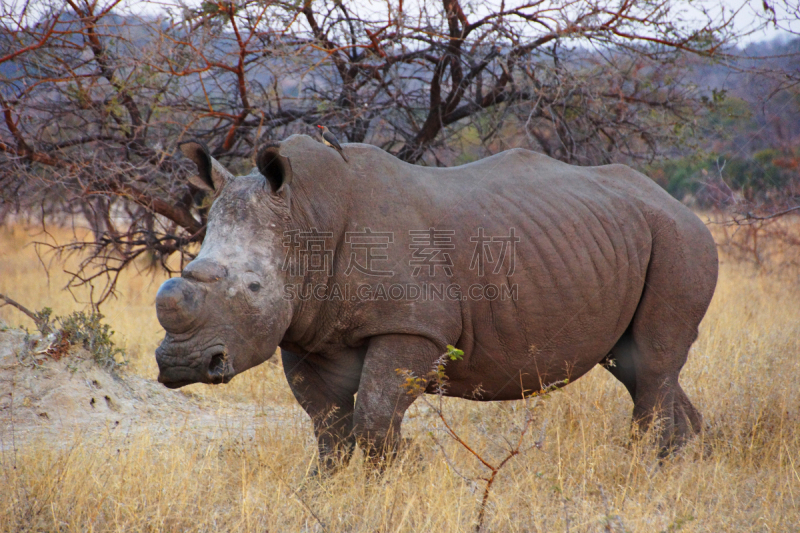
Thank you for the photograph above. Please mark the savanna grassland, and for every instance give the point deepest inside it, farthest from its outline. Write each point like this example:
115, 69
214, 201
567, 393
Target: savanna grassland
580, 471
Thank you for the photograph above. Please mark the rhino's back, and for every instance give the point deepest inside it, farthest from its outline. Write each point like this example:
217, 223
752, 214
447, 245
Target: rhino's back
579, 268
520, 174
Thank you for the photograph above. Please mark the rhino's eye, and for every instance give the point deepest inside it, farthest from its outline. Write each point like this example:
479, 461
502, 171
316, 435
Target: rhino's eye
255, 286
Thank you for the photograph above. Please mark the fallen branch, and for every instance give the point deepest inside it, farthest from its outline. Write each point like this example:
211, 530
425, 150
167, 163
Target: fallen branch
41, 320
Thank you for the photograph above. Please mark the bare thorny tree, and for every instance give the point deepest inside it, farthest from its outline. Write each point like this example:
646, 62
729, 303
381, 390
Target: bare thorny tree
96, 95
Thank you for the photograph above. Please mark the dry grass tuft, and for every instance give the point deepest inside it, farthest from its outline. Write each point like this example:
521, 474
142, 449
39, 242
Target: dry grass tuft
742, 474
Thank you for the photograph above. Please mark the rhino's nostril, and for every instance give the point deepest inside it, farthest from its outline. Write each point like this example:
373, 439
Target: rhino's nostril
216, 368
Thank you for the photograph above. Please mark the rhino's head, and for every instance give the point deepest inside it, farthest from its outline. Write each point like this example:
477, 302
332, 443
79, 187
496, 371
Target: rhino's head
226, 313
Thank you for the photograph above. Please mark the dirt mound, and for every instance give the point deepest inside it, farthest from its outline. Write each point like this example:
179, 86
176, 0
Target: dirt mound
41, 397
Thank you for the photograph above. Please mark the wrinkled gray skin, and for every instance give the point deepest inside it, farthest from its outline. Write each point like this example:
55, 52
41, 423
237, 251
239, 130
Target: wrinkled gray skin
610, 270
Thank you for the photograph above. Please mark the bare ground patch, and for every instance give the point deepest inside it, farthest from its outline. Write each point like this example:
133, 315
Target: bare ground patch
47, 399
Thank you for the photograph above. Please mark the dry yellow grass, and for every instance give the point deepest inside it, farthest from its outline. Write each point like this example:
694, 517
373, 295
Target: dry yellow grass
742, 474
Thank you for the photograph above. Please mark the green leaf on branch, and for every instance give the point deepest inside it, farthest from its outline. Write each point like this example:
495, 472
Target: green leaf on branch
454, 354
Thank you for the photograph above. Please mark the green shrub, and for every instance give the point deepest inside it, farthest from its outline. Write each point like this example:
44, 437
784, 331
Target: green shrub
756, 177
88, 330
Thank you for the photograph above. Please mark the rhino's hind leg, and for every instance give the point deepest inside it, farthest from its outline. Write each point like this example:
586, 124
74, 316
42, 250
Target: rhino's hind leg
649, 357
688, 411
652, 381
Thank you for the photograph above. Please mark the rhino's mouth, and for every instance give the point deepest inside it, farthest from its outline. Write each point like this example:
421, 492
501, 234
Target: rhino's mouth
215, 368
175, 384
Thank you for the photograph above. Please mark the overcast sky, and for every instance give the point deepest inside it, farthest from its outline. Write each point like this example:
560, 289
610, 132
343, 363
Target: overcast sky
752, 12
787, 13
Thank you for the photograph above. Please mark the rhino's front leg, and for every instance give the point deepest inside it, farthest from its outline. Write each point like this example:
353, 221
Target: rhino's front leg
382, 399
325, 388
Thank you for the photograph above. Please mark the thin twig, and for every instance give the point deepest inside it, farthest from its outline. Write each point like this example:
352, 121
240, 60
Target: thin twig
439, 379
299, 498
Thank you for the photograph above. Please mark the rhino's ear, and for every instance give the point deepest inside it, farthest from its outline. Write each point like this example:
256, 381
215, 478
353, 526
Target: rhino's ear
212, 175
275, 167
